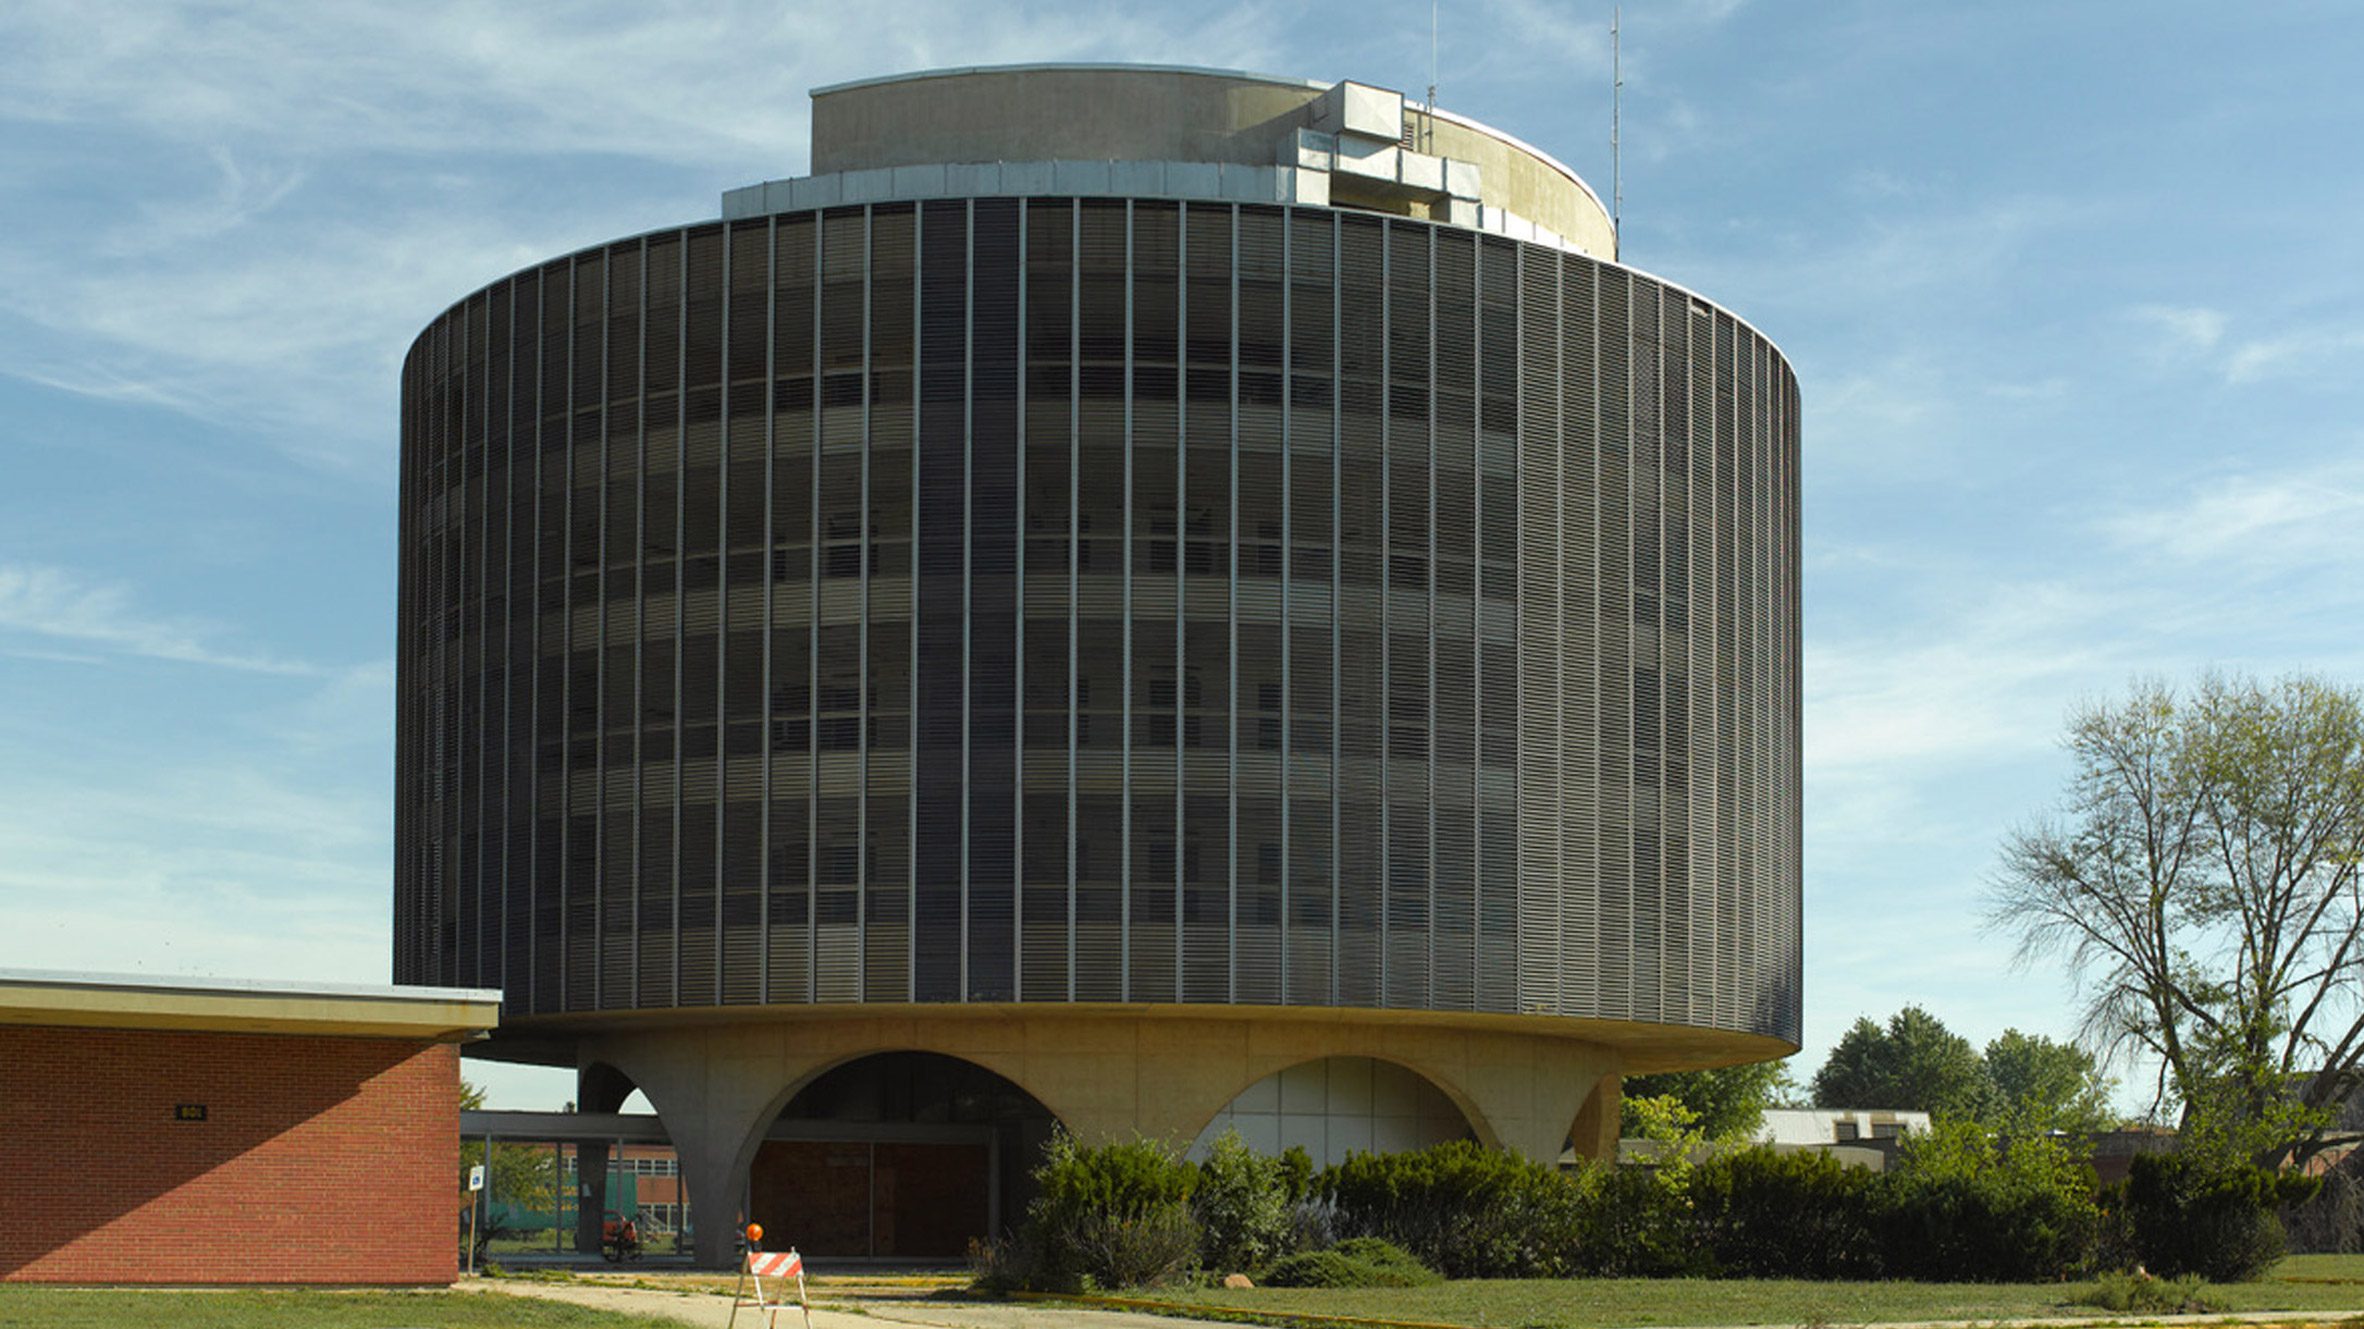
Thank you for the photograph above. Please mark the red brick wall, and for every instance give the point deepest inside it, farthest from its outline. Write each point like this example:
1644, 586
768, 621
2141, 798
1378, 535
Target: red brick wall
321, 1160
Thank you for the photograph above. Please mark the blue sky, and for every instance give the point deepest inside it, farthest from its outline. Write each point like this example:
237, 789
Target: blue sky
2075, 294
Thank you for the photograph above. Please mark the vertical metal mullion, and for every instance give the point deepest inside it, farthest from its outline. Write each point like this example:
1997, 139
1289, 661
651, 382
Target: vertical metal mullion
1659, 588
1477, 625
1478, 599
1559, 635
771, 394
566, 674
911, 666
607, 278
863, 701
1337, 583
1231, 691
483, 548
1074, 547
812, 640
1124, 874
681, 394
1386, 597
1181, 588
533, 690
456, 523
640, 623
968, 564
1528, 987
1598, 662
722, 602
1288, 578
1430, 644
1018, 653
508, 926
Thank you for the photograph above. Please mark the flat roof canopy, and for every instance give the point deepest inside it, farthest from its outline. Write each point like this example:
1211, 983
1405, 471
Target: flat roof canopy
246, 1006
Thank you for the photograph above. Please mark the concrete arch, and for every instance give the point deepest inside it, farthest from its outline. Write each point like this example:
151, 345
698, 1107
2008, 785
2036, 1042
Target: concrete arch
1518, 1091
601, 1087
1317, 1125
823, 1074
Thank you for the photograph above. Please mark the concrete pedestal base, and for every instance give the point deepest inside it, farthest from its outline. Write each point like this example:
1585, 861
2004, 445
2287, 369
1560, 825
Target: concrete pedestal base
1106, 1073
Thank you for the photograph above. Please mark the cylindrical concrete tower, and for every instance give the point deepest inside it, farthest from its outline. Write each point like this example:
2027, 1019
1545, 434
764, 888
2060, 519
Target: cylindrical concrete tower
1160, 585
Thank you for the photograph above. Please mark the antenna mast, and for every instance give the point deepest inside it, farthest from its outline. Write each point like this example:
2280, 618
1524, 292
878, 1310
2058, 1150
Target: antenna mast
1429, 145
1616, 116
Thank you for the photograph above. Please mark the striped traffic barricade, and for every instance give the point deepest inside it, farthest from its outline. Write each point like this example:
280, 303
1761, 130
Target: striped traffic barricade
778, 1266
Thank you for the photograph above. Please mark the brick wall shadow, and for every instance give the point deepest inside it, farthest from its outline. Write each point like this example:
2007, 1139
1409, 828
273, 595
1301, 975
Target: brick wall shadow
318, 1159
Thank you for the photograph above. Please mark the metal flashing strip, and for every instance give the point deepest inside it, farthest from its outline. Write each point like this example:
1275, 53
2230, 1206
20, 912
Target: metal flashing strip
1070, 67
124, 1001
1203, 182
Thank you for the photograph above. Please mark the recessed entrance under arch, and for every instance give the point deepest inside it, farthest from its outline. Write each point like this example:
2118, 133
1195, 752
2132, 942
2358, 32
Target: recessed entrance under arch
898, 1155
1337, 1106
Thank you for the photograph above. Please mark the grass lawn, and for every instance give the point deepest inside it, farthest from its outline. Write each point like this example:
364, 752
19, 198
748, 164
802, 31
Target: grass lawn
2320, 1286
23, 1307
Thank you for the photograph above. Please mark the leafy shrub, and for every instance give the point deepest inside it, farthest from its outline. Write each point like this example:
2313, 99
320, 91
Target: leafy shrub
1640, 1222
1462, 1209
1244, 1205
1965, 1206
1111, 1250
1355, 1262
2119, 1291
1113, 1216
2190, 1213
1760, 1213
1632, 1223
1323, 1268
1388, 1255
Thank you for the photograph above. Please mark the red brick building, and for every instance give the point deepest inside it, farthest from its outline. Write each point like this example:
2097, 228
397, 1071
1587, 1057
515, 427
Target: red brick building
203, 1131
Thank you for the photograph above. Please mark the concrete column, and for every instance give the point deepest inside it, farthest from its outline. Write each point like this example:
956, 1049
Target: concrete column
598, 1088
717, 1092
1530, 1090
1597, 1126
591, 1157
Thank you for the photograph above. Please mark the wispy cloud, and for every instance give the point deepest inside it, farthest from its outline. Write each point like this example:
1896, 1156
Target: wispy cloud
2198, 333
2287, 521
2184, 327
1969, 677
297, 190
61, 605
2308, 351
1536, 32
720, 84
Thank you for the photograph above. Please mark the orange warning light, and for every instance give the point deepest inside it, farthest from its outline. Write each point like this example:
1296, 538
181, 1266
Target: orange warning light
755, 1232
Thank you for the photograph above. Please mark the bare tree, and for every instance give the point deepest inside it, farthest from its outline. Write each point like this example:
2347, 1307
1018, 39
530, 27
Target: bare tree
2201, 882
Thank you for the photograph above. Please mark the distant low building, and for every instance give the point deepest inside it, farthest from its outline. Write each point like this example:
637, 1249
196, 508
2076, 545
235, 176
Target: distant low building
2112, 1152
1825, 1126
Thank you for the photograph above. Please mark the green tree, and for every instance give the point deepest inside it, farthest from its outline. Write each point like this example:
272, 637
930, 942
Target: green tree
520, 1176
1915, 1064
1729, 1101
2201, 880
2044, 1085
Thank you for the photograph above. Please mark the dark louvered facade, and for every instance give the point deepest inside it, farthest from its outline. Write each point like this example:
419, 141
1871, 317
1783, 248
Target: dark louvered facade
1142, 601
1047, 599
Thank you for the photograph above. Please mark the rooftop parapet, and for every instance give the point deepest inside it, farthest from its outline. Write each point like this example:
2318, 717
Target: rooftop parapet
1346, 144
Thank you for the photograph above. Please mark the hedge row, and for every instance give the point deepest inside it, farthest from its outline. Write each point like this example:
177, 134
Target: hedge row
1958, 1207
